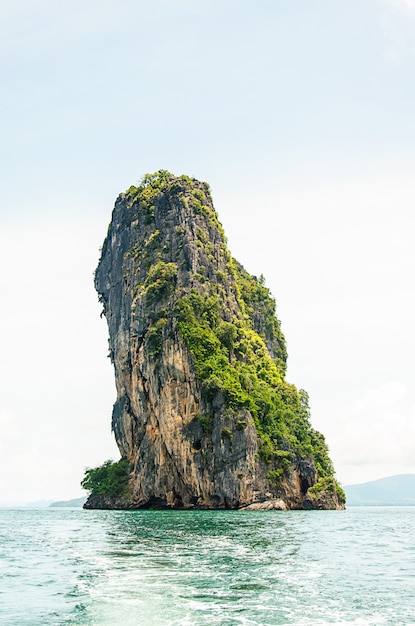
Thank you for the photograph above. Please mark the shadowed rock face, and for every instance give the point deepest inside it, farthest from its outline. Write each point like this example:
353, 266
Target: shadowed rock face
191, 443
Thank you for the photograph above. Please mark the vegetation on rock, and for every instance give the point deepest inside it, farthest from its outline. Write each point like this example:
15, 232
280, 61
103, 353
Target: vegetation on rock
109, 479
182, 280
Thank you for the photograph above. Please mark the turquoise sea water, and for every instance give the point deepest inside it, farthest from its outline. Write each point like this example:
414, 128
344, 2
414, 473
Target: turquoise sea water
207, 567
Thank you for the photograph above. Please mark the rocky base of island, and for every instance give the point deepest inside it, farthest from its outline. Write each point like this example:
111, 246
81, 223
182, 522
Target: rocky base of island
324, 501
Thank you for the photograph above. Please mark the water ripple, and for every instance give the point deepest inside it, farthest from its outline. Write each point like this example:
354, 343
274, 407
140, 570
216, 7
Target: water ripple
167, 568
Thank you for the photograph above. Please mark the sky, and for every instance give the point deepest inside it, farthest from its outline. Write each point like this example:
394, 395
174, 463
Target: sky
299, 114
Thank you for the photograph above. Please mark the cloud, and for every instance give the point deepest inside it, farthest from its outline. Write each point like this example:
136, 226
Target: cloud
404, 6
377, 436
6, 416
10, 430
397, 24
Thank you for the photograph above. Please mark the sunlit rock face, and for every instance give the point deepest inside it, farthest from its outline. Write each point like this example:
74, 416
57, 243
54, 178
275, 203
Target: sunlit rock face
203, 412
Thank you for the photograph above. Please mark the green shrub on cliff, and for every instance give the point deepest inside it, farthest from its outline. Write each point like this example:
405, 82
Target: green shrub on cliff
160, 281
231, 358
109, 479
329, 485
228, 322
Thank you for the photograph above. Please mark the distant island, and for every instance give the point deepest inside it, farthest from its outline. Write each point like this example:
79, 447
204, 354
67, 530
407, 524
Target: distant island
74, 503
396, 490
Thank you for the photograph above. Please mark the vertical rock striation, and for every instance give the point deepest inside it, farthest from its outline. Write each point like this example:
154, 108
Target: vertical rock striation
203, 412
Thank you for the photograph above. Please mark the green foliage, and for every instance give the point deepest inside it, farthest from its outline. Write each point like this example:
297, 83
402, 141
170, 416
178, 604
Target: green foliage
201, 235
238, 356
328, 484
153, 241
155, 338
221, 276
230, 358
187, 179
157, 180
206, 422
321, 456
151, 186
258, 304
201, 204
160, 281
270, 453
275, 476
110, 479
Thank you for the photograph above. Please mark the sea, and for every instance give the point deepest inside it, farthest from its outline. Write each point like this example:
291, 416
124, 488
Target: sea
77, 567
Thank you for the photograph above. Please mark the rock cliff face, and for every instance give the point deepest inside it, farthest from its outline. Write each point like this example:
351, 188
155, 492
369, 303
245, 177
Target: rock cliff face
203, 412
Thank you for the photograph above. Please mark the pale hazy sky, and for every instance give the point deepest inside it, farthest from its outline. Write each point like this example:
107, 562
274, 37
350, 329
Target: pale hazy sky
301, 116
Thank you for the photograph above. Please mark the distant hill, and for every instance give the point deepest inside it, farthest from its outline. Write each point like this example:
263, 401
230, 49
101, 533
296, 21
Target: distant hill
75, 503
394, 491
38, 504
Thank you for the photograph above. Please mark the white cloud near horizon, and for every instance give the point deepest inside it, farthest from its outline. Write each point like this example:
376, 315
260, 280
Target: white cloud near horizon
397, 24
378, 433
407, 6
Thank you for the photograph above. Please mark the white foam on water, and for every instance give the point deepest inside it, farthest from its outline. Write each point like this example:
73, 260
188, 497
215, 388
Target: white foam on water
207, 568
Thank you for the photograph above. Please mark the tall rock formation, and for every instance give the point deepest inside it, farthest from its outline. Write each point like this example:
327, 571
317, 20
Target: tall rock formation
203, 412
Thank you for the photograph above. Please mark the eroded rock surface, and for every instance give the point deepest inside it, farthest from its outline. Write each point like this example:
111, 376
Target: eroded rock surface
196, 435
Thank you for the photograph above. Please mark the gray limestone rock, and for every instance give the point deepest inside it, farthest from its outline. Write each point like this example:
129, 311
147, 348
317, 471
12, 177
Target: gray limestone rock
187, 449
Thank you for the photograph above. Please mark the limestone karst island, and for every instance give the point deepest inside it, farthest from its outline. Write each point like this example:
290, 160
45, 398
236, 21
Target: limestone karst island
204, 417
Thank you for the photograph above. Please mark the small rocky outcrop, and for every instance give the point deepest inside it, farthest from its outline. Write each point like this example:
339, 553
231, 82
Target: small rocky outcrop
203, 412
